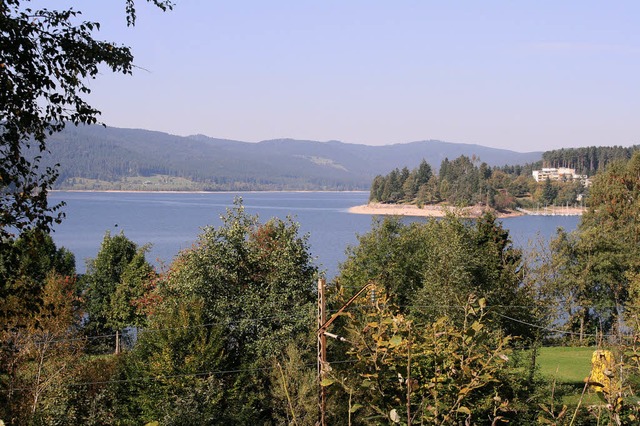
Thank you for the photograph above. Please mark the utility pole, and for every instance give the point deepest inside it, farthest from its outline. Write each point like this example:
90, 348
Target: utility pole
322, 350
323, 324
409, 384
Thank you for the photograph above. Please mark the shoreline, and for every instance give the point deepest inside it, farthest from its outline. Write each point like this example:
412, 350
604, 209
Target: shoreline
442, 211
151, 191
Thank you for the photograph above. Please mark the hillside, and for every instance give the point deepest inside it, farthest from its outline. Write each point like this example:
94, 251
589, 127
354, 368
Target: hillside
94, 157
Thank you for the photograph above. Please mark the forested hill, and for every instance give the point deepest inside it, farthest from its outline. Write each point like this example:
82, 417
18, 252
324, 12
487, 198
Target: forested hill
95, 157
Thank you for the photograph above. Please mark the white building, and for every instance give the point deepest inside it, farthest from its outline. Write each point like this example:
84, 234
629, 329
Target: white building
561, 173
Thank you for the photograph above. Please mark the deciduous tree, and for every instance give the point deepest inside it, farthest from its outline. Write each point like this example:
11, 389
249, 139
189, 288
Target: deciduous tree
24, 264
113, 282
47, 59
606, 245
256, 281
173, 372
428, 268
45, 353
441, 372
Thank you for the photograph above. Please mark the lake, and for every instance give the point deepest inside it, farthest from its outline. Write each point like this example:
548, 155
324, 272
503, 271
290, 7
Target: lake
172, 221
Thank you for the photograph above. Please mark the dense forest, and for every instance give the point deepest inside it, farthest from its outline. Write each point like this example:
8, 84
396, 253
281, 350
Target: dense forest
465, 182
587, 161
448, 329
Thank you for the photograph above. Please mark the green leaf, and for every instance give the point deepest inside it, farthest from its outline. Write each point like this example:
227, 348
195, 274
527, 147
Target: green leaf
355, 407
327, 381
395, 341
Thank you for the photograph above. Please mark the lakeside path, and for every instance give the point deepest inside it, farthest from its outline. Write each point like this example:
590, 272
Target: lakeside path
441, 211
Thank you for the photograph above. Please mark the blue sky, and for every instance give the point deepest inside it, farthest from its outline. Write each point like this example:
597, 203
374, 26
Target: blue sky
522, 75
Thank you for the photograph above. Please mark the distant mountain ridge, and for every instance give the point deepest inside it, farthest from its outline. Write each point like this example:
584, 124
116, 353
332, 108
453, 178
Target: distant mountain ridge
92, 154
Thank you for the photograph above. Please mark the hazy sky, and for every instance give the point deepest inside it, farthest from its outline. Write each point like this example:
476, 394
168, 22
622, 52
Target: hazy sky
522, 75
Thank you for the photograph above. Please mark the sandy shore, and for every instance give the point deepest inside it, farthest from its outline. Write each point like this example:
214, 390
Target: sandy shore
441, 211
425, 211
555, 211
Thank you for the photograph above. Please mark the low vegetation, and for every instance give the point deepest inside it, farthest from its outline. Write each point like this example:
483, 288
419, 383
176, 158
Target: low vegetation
456, 330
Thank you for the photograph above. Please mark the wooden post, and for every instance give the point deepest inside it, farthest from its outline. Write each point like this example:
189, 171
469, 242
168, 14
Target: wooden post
322, 351
323, 323
117, 342
409, 378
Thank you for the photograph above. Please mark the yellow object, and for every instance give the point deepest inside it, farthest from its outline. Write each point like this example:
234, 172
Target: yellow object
602, 371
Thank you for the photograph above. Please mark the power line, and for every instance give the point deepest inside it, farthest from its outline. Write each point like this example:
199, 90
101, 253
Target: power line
489, 308
247, 370
157, 330
553, 330
175, 376
271, 317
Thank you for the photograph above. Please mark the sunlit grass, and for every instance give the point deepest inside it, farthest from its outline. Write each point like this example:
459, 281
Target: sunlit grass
569, 367
134, 183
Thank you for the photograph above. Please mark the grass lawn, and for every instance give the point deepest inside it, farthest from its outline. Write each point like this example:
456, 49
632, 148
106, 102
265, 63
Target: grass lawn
569, 366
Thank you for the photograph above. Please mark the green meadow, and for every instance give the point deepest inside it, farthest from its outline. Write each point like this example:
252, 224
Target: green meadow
569, 367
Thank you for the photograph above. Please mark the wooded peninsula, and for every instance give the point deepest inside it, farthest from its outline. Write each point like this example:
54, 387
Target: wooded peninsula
468, 187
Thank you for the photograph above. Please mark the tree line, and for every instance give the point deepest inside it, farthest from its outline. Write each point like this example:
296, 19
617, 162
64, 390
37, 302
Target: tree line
587, 160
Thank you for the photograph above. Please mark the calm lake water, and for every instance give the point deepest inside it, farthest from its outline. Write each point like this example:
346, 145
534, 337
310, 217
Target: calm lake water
172, 221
